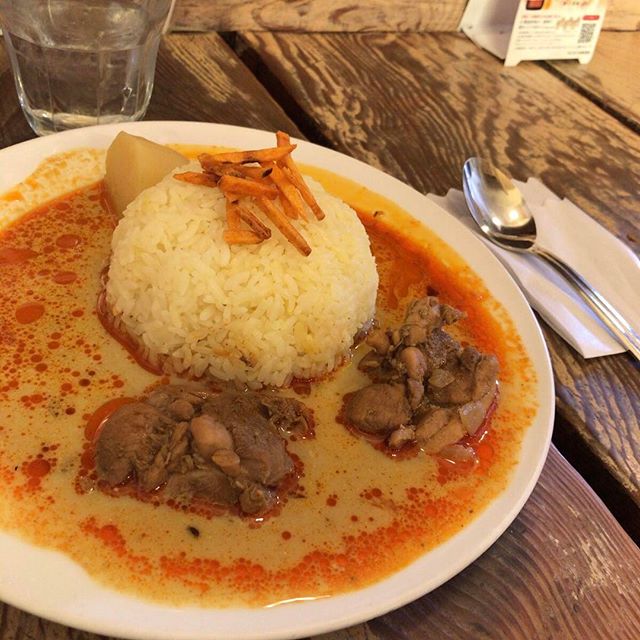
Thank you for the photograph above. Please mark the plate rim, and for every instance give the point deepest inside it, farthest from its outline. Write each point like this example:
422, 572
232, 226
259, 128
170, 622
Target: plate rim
82, 615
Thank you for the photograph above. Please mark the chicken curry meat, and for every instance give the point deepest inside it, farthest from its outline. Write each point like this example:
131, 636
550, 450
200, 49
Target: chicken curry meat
197, 492
225, 448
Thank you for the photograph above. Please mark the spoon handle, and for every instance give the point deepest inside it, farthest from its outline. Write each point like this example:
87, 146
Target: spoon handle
612, 318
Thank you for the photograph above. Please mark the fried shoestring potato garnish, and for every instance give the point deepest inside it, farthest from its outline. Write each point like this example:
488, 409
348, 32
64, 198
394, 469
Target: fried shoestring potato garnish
253, 222
288, 208
267, 177
193, 177
281, 221
248, 187
241, 236
223, 168
287, 190
294, 175
258, 155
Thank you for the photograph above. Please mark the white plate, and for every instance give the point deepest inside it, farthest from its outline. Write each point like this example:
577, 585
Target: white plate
50, 585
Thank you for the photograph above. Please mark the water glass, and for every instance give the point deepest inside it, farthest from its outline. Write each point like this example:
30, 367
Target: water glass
83, 62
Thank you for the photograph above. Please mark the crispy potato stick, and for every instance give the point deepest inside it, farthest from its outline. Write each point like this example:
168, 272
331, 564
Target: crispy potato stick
197, 178
259, 155
263, 175
247, 187
298, 181
288, 191
261, 230
282, 139
232, 198
288, 208
259, 175
241, 236
237, 213
239, 170
233, 216
282, 223
294, 175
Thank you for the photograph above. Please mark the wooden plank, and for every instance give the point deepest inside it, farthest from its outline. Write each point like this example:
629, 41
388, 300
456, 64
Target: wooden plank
187, 66
494, 597
563, 569
622, 15
199, 78
612, 78
417, 105
13, 126
328, 15
349, 15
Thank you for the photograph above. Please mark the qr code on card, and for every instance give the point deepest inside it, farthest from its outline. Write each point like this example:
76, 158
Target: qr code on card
586, 32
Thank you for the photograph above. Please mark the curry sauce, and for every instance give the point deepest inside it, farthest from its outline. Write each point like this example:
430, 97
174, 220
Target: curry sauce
358, 515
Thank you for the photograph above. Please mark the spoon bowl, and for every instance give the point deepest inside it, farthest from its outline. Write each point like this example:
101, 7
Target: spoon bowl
498, 207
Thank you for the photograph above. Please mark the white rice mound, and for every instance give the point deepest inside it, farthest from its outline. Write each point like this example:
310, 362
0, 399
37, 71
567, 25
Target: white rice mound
256, 314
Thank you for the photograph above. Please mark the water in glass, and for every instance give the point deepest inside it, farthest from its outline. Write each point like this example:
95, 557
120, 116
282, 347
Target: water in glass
78, 63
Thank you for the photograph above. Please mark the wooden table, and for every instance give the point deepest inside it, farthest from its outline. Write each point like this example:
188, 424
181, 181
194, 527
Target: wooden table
416, 105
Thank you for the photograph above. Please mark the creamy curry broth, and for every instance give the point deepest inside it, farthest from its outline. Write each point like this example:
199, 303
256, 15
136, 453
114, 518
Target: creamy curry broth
361, 516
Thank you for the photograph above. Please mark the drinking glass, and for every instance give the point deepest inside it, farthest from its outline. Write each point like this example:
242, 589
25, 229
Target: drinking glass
82, 62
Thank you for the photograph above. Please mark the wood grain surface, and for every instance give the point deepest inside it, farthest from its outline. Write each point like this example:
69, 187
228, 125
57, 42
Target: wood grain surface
311, 15
13, 126
623, 15
612, 78
349, 15
563, 570
199, 78
417, 105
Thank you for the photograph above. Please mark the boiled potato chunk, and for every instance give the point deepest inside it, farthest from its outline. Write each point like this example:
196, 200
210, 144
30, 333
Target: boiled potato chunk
134, 164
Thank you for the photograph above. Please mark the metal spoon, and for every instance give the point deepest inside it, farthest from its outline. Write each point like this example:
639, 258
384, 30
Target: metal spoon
497, 206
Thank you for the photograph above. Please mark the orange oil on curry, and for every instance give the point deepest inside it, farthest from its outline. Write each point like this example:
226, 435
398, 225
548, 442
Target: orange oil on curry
62, 374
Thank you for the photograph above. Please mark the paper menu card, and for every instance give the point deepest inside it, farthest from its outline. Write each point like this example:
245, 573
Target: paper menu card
518, 30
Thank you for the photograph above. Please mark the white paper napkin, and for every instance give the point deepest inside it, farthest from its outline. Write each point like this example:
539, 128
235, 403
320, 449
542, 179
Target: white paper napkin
605, 262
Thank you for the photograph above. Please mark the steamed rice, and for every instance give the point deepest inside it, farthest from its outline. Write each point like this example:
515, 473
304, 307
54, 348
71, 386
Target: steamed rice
257, 314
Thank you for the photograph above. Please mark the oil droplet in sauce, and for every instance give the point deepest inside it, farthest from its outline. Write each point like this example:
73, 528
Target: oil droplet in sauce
65, 277
29, 312
12, 255
37, 468
68, 241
